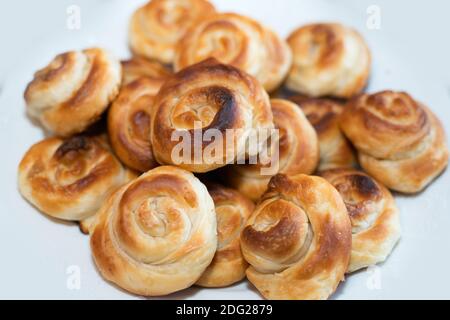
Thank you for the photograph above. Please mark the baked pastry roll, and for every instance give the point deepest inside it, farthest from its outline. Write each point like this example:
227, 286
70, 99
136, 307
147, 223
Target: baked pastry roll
329, 59
156, 28
138, 67
129, 124
298, 239
74, 90
70, 179
210, 110
335, 150
373, 213
157, 234
298, 152
232, 212
400, 142
239, 41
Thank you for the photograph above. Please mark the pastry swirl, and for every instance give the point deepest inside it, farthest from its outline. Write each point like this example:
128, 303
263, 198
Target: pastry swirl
298, 239
329, 59
373, 213
156, 27
157, 234
232, 211
298, 151
70, 179
74, 90
216, 97
138, 67
400, 142
239, 41
129, 124
323, 114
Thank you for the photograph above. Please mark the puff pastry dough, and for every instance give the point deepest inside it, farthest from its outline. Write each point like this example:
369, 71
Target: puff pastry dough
298, 239
156, 27
400, 142
232, 212
216, 97
240, 41
74, 90
329, 59
138, 67
373, 213
70, 179
157, 234
298, 152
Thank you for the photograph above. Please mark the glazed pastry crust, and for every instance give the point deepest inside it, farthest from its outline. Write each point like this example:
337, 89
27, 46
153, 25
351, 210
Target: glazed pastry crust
138, 67
240, 41
70, 179
298, 152
335, 150
129, 125
400, 142
298, 239
232, 212
73, 91
329, 59
157, 234
373, 213
156, 27
217, 97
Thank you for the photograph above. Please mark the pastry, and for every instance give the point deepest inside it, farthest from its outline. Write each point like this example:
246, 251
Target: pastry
298, 239
232, 212
156, 28
400, 142
373, 213
329, 59
138, 67
240, 41
157, 234
72, 92
203, 117
298, 152
335, 150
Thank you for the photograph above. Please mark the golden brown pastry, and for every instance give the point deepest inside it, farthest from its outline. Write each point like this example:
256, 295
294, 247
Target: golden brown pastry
329, 59
74, 90
70, 179
239, 41
232, 212
400, 142
214, 97
129, 124
138, 67
298, 239
373, 213
157, 234
157, 27
323, 114
298, 152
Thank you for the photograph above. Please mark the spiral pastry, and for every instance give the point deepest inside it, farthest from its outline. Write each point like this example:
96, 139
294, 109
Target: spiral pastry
73, 91
215, 97
232, 212
138, 67
328, 60
70, 179
156, 28
129, 125
298, 152
157, 234
400, 142
323, 114
298, 239
239, 41
373, 213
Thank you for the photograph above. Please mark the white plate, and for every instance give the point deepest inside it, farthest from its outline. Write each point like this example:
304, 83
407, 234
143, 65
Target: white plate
38, 255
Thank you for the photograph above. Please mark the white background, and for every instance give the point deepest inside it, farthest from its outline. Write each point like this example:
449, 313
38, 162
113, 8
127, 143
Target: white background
411, 52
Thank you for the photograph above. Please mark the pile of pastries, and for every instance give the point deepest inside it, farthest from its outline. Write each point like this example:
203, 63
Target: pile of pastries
157, 226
